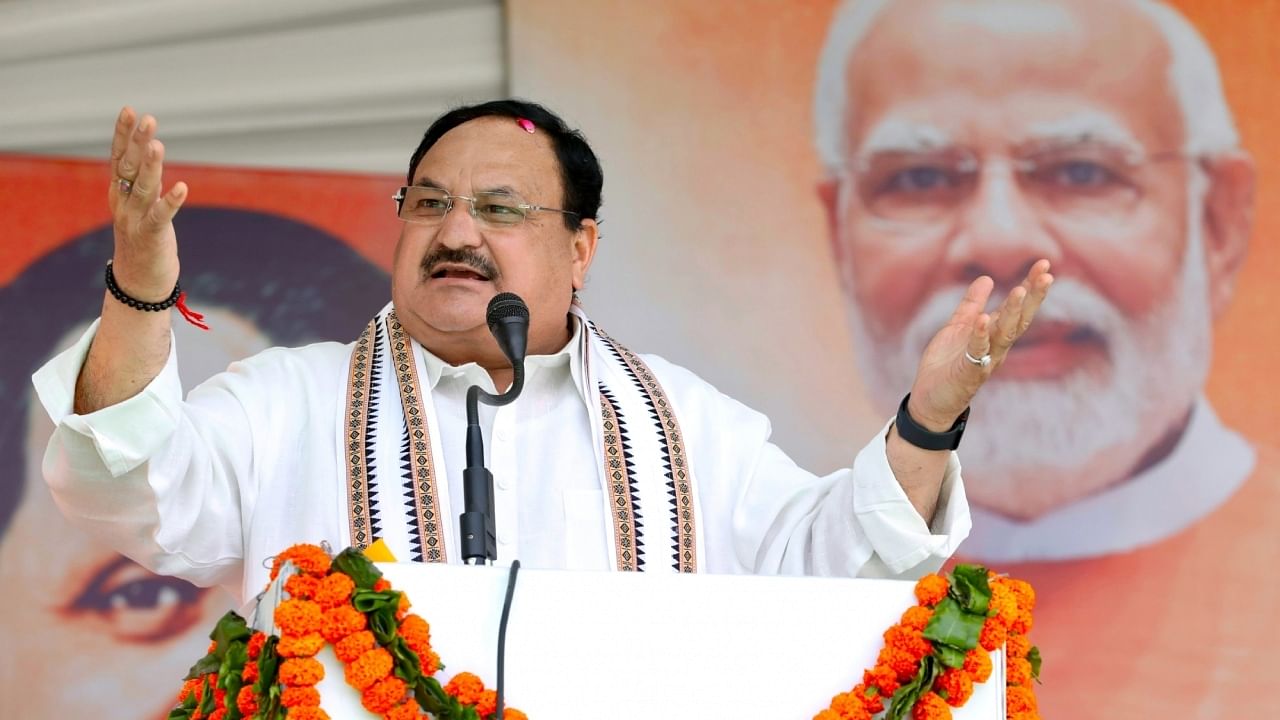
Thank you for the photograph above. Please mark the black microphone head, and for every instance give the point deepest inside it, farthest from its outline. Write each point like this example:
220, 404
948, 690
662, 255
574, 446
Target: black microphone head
508, 319
505, 305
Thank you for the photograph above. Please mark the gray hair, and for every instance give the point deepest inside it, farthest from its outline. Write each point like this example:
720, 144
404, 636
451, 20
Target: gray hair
1193, 75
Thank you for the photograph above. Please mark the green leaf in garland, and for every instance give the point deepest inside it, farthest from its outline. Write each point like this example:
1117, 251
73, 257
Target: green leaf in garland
232, 677
367, 601
207, 701
408, 667
1034, 658
205, 665
951, 625
949, 656
906, 697
265, 688
230, 628
356, 566
970, 589
431, 697
383, 625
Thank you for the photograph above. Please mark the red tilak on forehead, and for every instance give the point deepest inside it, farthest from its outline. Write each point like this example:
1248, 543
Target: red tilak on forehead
526, 124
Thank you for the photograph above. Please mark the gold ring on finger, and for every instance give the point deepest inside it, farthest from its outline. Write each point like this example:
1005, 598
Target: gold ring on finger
124, 185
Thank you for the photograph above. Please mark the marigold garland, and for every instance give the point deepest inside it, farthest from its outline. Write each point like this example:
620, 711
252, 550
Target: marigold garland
939, 650
343, 601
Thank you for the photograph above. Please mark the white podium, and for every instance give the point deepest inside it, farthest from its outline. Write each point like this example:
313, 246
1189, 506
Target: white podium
622, 646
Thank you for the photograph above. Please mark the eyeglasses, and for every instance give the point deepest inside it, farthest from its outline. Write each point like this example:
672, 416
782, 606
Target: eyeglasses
1085, 182
421, 204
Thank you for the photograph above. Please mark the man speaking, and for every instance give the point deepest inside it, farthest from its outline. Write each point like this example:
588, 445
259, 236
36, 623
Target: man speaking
609, 459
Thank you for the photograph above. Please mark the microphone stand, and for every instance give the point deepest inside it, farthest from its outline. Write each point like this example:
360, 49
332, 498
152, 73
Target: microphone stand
476, 524
508, 320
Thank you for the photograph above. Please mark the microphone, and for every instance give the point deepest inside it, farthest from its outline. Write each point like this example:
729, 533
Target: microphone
508, 320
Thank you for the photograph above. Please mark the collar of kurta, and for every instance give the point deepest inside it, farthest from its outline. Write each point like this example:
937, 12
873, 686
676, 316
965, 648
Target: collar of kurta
646, 479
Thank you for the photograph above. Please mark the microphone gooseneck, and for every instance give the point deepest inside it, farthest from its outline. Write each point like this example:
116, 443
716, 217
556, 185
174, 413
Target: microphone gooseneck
508, 320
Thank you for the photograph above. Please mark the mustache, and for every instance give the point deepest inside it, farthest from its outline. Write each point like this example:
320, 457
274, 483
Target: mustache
460, 256
1071, 302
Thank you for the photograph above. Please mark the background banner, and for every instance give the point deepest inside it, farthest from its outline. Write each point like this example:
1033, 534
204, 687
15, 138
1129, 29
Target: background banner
796, 193
271, 258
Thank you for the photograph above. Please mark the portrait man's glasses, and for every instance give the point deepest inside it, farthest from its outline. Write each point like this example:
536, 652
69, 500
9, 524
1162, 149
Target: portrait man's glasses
1080, 182
427, 205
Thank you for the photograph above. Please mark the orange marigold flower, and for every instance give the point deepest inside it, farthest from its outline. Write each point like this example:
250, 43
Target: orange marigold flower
993, 635
955, 686
1003, 605
978, 664
827, 714
910, 641
513, 714
381, 584
403, 608
430, 662
1023, 624
306, 696
300, 645
369, 668
917, 617
341, 621
1028, 715
256, 641
416, 633
218, 714
1025, 594
334, 590
213, 645
883, 678
931, 707
1017, 646
1017, 671
302, 587
406, 711
871, 699
354, 645
904, 664
298, 617
384, 695
466, 687
850, 707
487, 703
250, 674
307, 713
310, 559
190, 688
931, 589
247, 702
1019, 698
301, 671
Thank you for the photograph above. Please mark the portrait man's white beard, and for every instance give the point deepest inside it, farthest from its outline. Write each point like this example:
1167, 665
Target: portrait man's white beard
1034, 445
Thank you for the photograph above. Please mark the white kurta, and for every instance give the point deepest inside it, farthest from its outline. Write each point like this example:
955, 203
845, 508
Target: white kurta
252, 462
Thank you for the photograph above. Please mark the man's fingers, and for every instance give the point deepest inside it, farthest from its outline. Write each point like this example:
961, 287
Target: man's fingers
1037, 288
975, 299
120, 140
146, 186
979, 345
131, 161
1007, 325
163, 212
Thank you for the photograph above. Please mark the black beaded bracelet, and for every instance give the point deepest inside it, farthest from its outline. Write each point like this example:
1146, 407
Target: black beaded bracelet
118, 294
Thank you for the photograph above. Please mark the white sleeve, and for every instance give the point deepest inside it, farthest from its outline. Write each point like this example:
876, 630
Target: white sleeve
157, 478
856, 522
